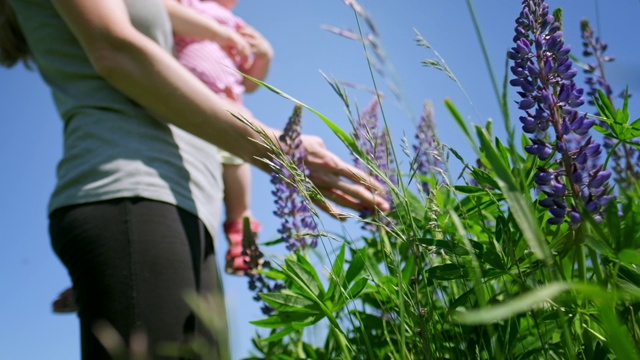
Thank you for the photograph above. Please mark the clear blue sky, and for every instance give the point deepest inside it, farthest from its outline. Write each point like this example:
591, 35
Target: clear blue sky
30, 144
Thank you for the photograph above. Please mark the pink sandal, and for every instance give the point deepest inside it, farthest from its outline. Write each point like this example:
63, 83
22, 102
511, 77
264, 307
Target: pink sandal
239, 259
65, 302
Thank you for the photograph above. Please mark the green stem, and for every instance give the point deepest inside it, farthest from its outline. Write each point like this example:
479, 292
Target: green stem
597, 269
401, 309
342, 342
613, 149
566, 337
582, 267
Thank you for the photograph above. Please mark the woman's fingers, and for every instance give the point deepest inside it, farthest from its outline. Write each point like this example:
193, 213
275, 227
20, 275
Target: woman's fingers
331, 210
358, 176
357, 195
356, 192
340, 182
341, 199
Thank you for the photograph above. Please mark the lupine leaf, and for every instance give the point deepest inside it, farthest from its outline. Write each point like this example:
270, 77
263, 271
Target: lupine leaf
512, 307
502, 150
448, 272
629, 257
462, 299
337, 274
624, 112
273, 274
465, 189
604, 105
273, 242
280, 334
357, 288
355, 268
306, 277
283, 319
484, 178
604, 131
289, 301
370, 264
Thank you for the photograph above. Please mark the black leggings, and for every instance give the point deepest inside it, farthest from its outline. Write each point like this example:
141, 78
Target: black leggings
131, 261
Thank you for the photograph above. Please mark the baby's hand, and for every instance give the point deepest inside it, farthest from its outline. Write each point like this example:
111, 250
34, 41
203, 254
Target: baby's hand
260, 46
237, 47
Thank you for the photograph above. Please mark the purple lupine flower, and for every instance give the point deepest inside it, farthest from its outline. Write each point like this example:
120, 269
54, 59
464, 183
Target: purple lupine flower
427, 147
625, 158
544, 74
594, 47
374, 143
258, 283
298, 227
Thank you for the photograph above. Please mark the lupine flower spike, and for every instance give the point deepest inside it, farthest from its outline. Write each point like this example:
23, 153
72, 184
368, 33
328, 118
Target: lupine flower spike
298, 228
593, 47
624, 158
428, 158
544, 74
374, 143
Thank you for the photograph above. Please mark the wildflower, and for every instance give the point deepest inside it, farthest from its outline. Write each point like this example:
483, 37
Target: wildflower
427, 148
298, 227
594, 47
624, 157
374, 143
544, 74
260, 284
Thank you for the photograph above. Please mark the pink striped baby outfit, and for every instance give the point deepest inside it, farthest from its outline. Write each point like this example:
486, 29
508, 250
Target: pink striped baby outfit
206, 59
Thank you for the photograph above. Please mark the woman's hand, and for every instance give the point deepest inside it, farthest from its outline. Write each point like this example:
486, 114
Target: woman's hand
340, 182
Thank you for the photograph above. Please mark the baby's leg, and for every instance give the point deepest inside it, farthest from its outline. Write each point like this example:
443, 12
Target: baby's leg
237, 191
237, 199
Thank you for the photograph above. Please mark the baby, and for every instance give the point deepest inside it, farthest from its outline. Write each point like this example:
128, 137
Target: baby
215, 52
215, 45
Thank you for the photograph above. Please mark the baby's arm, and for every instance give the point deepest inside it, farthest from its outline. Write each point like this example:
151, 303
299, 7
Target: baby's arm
189, 23
262, 55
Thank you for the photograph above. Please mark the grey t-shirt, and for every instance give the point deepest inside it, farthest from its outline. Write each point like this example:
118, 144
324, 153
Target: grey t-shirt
114, 148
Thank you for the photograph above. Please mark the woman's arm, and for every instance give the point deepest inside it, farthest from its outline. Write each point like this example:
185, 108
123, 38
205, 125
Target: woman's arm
142, 70
189, 23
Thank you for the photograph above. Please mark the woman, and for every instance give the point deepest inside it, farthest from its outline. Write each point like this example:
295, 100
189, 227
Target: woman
139, 185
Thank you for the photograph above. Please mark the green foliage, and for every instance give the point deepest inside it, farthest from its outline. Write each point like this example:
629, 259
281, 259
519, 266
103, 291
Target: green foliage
469, 270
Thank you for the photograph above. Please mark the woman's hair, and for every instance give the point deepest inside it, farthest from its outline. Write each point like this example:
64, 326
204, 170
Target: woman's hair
13, 46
